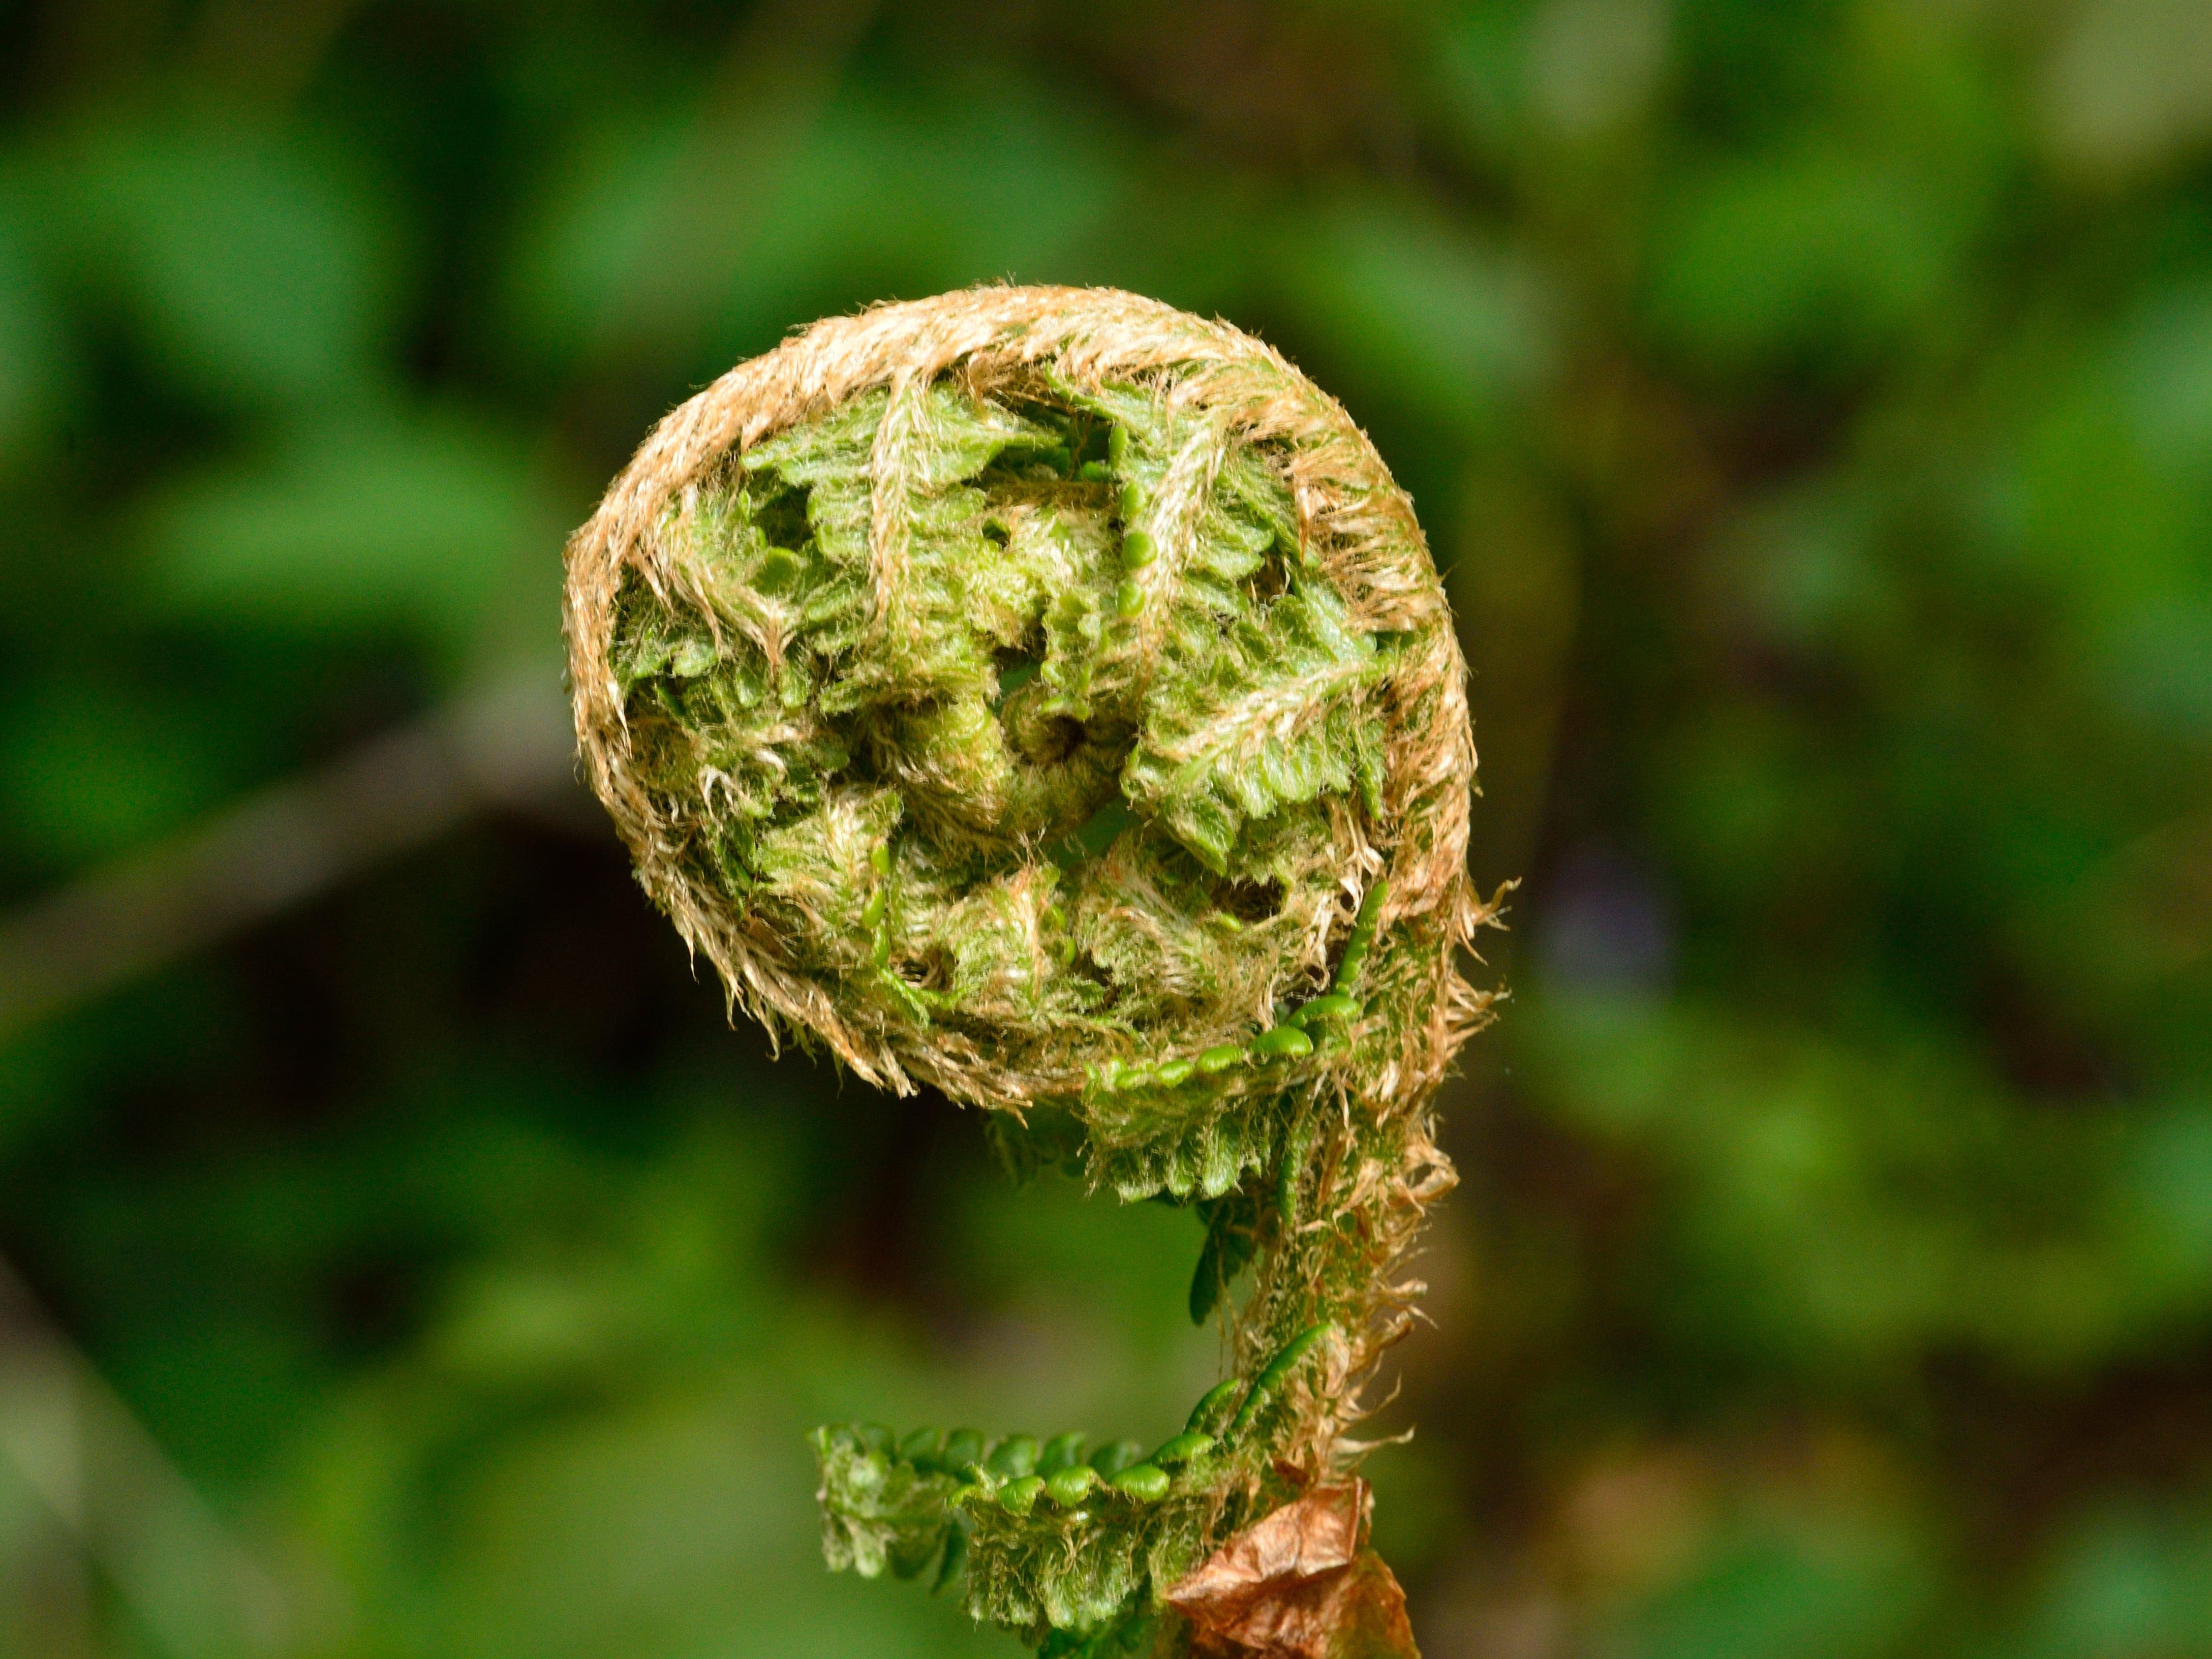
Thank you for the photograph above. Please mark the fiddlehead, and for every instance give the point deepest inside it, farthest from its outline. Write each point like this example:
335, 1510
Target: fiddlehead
1047, 695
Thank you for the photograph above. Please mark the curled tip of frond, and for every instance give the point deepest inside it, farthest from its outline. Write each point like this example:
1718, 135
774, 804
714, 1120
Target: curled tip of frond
1007, 687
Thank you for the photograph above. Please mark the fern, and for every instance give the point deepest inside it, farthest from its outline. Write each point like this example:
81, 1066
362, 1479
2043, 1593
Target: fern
1039, 715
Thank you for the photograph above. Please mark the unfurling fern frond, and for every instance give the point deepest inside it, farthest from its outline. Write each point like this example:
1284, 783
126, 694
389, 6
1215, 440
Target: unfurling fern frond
1046, 695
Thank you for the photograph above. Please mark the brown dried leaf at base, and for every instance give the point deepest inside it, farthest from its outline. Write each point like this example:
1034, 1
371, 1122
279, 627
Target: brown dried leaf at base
1298, 1585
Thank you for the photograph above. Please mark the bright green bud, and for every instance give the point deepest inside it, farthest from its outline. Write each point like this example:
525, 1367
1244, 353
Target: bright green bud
1147, 1482
1182, 1449
1069, 1486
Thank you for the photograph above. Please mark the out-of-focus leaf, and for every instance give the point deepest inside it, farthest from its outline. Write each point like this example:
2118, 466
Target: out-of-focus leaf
1423, 313
1802, 1237
1802, 570
2162, 1201
1594, 64
990, 182
33, 356
2129, 83
434, 522
991, 179
1062, 1260
1813, 257
2104, 506
650, 1491
87, 772
1831, 1592
607, 202
2165, 369
259, 268
2130, 1581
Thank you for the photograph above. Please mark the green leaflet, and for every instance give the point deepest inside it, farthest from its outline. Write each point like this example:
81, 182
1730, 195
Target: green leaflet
879, 1513
1263, 714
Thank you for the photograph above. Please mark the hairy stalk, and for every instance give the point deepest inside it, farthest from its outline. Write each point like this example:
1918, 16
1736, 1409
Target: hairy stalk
1047, 696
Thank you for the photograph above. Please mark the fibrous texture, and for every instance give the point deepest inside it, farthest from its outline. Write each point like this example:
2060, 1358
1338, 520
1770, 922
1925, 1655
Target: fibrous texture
1047, 695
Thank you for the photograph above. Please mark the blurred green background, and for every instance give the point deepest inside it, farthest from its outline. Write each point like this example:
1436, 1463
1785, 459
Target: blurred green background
1811, 405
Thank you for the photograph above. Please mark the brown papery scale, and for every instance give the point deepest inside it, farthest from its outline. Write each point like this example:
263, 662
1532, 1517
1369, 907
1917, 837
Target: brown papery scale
1047, 695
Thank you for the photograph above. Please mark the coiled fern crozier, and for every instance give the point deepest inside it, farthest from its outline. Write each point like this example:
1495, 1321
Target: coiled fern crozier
1047, 695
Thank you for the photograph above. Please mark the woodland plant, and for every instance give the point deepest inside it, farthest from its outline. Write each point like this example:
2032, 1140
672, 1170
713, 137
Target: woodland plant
1047, 696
